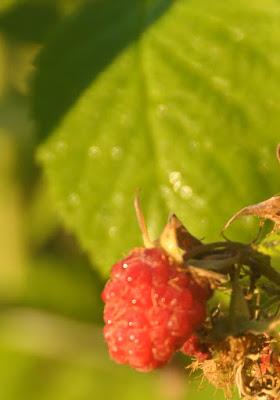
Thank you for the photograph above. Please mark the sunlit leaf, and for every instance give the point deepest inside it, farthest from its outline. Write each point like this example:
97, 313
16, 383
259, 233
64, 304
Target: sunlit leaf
184, 105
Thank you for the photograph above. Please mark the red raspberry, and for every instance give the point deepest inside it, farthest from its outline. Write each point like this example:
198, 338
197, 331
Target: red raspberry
151, 308
193, 347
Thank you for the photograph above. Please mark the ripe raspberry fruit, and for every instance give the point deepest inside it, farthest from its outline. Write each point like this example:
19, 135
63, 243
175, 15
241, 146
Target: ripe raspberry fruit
151, 308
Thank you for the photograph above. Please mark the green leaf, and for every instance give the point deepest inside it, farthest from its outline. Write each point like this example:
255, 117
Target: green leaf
64, 287
271, 245
6, 4
28, 22
183, 105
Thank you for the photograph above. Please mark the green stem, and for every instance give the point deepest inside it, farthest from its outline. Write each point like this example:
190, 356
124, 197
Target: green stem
262, 265
232, 253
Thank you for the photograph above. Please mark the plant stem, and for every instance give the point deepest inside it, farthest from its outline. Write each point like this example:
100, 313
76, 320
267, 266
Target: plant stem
221, 255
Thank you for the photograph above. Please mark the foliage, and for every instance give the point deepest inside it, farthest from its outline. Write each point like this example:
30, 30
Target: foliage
169, 92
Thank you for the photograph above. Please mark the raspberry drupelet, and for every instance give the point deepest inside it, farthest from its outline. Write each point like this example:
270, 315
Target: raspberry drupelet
152, 307
194, 348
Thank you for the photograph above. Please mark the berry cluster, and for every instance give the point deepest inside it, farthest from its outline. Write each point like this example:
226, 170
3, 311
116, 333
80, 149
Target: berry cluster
152, 307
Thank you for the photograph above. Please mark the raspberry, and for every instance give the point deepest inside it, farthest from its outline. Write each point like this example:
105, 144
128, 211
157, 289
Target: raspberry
193, 347
151, 308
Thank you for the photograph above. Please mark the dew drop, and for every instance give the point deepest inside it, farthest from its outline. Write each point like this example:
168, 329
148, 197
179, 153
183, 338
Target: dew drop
116, 153
133, 301
60, 146
74, 199
94, 152
109, 321
130, 323
161, 109
125, 265
47, 155
186, 192
199, 202
113, 231
174, 177
177, 186
129, 279
132, 337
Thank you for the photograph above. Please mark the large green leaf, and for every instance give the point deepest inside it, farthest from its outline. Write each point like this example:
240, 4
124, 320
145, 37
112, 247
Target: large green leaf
184, 106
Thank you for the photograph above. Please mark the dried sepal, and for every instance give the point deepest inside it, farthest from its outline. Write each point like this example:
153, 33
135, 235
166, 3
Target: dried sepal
249, 362
268, 209
176, 240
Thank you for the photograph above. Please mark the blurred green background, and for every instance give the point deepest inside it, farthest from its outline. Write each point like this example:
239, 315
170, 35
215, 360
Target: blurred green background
97, 99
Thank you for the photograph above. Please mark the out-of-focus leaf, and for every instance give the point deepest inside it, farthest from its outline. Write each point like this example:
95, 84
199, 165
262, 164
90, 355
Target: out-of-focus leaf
65, 287
6, 4
41, 220
184, 106
270, 245
13, 252
43, 357
29, 22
